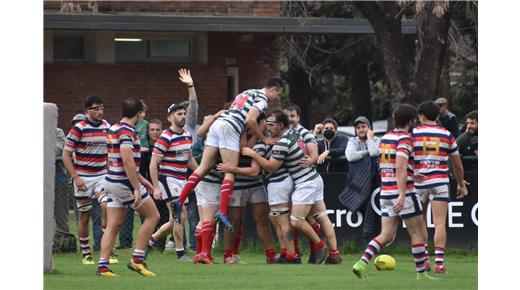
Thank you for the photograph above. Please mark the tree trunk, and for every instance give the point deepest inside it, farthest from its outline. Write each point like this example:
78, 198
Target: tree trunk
361, 101
432, 35
386, 21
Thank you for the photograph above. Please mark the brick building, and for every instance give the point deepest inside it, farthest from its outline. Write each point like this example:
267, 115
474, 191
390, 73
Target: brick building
134, 48
79, 62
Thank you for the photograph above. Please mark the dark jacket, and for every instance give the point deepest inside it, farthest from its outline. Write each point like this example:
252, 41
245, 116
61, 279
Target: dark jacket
449, 121
337, 161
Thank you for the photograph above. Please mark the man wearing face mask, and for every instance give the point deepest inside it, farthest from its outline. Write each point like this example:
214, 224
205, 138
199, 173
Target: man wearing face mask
332, 145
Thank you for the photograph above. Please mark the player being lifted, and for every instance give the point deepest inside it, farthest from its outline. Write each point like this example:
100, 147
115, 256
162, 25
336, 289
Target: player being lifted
433, 146
224, 138
398, 198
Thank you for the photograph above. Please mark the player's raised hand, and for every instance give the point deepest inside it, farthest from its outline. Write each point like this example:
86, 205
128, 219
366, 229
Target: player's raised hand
185, 76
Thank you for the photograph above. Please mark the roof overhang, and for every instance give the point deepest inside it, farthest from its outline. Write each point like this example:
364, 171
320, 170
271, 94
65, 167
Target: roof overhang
196, 23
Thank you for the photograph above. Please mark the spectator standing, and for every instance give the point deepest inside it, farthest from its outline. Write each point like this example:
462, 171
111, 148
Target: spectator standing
468, 141
331, 145
447, 119
364, 145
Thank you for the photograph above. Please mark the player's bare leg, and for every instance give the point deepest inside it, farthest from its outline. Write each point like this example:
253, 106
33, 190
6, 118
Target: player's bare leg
231, 157
260, 213
84, 209
319, 212
440, 211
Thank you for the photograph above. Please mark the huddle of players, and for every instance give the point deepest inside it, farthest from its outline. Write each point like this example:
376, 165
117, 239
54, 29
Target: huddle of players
104, 161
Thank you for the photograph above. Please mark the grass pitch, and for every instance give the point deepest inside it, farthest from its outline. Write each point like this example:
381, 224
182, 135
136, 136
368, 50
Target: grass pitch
70, 274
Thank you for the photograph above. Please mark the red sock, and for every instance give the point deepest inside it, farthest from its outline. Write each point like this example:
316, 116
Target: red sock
206, 234
316, 227
212, 237
236, 243
283, 252
319, 245
291, 256
333, 253
198, 241
228, 253
225, 193
270, 254
295, 240
193, 180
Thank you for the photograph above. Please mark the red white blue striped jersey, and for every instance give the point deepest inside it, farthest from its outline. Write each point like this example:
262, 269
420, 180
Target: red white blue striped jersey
432, 146
88, 142
393, 144
237, 112
175, 149
121, 135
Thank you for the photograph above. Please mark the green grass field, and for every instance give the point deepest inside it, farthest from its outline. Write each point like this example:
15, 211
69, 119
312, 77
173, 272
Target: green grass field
172, 274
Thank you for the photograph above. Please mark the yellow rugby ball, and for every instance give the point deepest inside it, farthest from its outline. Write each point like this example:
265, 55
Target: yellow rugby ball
384, 263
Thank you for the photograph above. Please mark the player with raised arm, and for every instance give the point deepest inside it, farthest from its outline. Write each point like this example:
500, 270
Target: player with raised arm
224, 138
398, 197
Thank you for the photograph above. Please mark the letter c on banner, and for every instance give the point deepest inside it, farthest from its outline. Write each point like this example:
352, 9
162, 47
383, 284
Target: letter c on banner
373, 200
474, 214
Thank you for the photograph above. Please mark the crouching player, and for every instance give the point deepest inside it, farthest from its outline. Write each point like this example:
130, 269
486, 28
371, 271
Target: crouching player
126, 187
398, 198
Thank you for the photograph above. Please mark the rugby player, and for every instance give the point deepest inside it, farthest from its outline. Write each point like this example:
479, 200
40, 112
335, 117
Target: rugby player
85, 158
126, 187
173, 156
433, 146
398, 198
307, 198
293, 113
224, 138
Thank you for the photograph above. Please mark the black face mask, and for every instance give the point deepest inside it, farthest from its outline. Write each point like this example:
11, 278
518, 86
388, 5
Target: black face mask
329, 134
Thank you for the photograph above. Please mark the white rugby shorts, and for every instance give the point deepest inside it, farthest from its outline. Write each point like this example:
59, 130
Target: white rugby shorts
222, 135
412, 206
94, 184
280, 192
122, 195
438, 193
171, 187
308, 192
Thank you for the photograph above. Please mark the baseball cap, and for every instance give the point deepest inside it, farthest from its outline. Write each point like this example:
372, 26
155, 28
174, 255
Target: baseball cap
361, 119
174, 107
78, 117
441, 101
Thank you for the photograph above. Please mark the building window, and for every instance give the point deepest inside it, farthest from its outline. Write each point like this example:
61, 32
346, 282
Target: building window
232, 83
168, 49
68, 48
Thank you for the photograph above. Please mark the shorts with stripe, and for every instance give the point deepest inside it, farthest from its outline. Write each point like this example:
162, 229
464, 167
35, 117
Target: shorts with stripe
93, 183
438, 193
208, 193
222, 135
412, 206
243, 197
171, 187
308, 192
121, 194
280, 192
